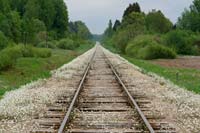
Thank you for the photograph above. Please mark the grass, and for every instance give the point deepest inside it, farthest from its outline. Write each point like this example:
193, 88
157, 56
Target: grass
29, 69
187, 78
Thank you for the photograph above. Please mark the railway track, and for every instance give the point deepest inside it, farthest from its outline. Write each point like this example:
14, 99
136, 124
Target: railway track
102, 104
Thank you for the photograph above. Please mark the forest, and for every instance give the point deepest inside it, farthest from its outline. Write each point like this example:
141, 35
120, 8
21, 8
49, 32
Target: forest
36, 37
152, 35
29, 27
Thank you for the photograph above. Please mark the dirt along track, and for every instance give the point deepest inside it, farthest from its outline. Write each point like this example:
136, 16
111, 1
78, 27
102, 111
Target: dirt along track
192, 62
103, 106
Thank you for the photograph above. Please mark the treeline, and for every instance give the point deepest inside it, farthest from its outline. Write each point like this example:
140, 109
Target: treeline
34, 21
152, 35
31, 26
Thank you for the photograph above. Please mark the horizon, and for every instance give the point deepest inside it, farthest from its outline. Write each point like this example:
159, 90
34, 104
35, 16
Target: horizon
93, 16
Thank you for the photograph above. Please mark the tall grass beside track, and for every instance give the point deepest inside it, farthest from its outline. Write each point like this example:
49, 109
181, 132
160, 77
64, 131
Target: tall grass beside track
187, 78
27, 69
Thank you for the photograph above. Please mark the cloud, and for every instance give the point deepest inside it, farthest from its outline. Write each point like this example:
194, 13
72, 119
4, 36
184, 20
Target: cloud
96, 13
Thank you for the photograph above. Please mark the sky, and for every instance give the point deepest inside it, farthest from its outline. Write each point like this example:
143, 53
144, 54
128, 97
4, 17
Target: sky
96, 13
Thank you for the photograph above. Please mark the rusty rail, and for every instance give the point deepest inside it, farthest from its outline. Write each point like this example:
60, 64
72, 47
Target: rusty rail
67, 116
131, 99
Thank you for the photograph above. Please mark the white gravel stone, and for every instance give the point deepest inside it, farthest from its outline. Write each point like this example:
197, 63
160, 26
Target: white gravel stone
179, 106
19, 107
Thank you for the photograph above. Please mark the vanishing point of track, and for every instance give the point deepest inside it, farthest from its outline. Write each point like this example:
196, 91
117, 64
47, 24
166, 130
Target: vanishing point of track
102, 104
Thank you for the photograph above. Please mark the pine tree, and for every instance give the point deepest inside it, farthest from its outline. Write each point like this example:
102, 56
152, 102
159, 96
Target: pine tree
116, 25
135, 7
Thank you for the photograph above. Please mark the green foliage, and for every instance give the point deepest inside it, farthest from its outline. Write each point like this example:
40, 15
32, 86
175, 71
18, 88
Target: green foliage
181, 41
8, 56
41, 36
41, 52
157, 22
188, 78
3, 41
146, 47
34, 30
10, 25
116, 25
43, 10
132, 8
45, 44
4, 6
121, 39
18, 5
29, 51
109, 31
190, 17
132, 25
67, 44
26, 70
135, 18
79, 30
60, 23
32, 17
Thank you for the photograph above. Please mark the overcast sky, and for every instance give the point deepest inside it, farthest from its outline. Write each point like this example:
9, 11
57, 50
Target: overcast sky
96, 13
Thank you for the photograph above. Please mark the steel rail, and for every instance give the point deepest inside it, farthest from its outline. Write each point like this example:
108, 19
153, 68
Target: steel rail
131, 99
67, 116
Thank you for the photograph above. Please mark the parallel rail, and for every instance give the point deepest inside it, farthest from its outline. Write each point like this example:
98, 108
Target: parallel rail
133, 116
70, 109
131, 99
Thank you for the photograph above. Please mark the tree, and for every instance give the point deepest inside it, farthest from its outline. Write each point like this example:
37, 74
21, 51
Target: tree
190, 19
157, 22
80, 30
4, 6
109, 31
10, 25
3, 41
181, 41
116, 25
32, 27
18, 5
52, 12
43, 10
4, 25
132, 25
15, 25
133, 18
135, 7
60, 23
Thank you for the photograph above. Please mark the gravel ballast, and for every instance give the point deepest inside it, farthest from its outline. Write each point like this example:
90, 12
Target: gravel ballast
19, 107
180, 107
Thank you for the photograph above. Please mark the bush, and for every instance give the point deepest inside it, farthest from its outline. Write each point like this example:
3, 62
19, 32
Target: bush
9, 55
180, 40
146, 47
157, 22
67, 44
3, 40
120, 40
46, 45
157, 51
122, 37
41, 52
29, 51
